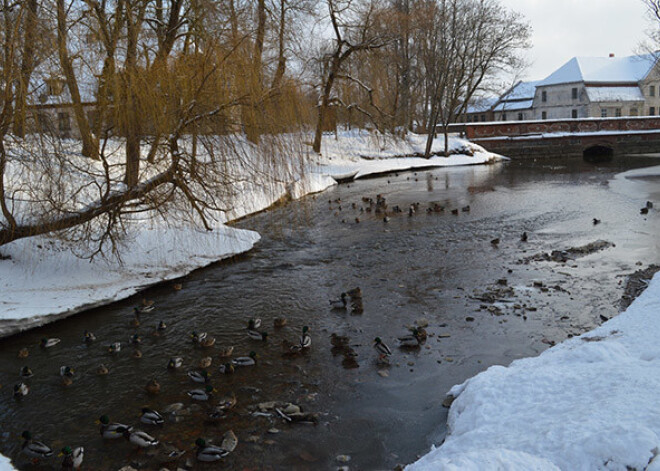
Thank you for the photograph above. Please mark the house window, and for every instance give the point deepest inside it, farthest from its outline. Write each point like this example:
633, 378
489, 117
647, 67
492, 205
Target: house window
483, 118
617, 112
573, 114
520, 117
634, 112
544, 96
652, 111
503, 116
64, 122
43, 122
652, 90
574, 93
603, 112
544, 115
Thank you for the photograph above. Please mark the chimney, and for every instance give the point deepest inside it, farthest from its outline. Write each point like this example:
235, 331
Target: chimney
611, 54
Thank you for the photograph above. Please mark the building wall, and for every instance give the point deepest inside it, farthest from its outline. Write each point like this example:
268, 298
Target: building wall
651, 91
560, 103
513, 115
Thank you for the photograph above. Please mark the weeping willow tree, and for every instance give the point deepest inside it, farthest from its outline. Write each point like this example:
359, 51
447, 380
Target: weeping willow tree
163, 136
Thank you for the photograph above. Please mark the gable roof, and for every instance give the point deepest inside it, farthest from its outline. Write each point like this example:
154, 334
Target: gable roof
630, 69
604, 94
518, 97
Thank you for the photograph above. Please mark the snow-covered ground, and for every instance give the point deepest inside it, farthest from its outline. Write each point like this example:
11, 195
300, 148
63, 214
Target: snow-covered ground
591, 402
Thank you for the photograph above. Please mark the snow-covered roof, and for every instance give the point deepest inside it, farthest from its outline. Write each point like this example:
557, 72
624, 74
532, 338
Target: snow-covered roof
481, 105
514, 105
602, 70
600, 94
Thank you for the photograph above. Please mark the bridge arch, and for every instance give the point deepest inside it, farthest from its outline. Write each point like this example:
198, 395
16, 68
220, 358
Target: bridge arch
596, 153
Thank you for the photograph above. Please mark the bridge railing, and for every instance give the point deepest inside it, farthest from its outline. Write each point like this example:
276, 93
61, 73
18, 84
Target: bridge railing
522, 128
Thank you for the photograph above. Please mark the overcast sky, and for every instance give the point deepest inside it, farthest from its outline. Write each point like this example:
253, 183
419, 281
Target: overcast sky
563, 29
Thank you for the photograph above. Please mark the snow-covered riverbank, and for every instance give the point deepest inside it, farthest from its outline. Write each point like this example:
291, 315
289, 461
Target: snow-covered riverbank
590, 402
42, 281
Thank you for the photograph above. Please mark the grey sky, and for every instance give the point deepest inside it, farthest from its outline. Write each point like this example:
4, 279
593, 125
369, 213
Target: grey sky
567, 28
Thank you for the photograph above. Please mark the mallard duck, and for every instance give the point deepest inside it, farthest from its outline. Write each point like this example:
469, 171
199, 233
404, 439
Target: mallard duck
135, 339
198, 337
205, 362
339, 340
138, 438
102, 370
229, 441
151, 417
33, 448
114, 348
21, 389
161, 326
382, 349
66, 371
146, 306
226, 351
256, 335
209, 453
73, 458
174, 363
47, 343
110, 431
339, 303
305, 339
26, 372
137, 353
201, 394
290, 349
245, 361
207, 342
177, 286
419, 333
226, 369
350, 359
89, 337
408, 341
227, 402
23, 353
279, 322
152, 387
355, 292
199, 376
254, 323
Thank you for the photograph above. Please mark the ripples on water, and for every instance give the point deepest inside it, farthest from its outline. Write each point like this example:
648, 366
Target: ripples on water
412, 267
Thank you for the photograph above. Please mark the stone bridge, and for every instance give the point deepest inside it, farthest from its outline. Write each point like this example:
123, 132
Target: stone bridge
591, 138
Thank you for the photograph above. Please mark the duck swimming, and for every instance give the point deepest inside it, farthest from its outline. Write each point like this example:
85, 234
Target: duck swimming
152, 387
110, 431
102, 370
201, 394
226, 369
47, 343
209, 453
205, 362
305, 339
382, 349
279, 322
245, 361
256, 335
226, 351
73, 458
26, 372
151, 417
114, 348
23, 353
66, 371
339, 303
88, 337
138, 438
199, 376
174, 363
20, 390
33, 448
254, 324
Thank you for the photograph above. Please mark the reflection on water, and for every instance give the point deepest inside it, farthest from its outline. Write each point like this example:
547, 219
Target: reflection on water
434, 266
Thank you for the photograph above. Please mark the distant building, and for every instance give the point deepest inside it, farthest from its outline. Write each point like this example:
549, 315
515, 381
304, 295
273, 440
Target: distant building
584, 87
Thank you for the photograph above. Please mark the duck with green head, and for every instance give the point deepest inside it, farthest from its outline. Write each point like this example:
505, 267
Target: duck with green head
245, 361
110, 431
201, 394
73, 458
209, 453
34, 448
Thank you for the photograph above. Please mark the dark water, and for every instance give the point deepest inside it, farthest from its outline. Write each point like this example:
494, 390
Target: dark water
431, 266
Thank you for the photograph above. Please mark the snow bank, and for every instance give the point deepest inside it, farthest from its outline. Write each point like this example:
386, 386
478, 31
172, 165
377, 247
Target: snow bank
5, 464
590, 402
360, 153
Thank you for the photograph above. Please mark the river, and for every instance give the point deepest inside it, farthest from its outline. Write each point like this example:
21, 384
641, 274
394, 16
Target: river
436, 267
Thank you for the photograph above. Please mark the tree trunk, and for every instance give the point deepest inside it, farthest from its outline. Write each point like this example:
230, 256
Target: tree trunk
89, 144
281, 58
27, 66
325, 100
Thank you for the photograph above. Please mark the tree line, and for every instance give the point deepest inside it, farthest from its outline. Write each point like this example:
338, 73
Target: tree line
171, 80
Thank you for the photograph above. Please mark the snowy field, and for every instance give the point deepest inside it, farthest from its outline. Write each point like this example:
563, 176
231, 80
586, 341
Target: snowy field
589, 403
